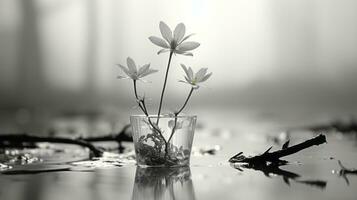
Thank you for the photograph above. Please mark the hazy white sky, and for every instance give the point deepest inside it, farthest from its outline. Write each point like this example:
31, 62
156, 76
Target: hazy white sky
298, 43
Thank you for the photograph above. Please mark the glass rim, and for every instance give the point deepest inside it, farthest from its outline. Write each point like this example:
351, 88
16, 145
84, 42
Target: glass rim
163, 116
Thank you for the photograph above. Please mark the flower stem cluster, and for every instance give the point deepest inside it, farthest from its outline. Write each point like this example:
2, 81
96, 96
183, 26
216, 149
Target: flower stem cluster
175, 42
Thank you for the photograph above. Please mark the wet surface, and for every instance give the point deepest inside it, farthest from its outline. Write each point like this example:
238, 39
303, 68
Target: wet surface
62, 171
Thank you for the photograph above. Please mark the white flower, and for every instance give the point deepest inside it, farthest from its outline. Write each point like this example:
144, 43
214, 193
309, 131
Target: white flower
195, 79
133, 73
174, 42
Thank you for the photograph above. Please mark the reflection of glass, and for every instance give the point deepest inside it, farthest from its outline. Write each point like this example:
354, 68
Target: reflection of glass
166, 144
163, 183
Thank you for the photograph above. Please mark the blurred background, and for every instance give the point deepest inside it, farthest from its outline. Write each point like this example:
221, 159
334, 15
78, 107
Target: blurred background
289, 60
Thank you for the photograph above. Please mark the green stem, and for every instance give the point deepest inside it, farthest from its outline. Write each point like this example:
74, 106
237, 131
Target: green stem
184, 105
142, 106
175, 124
164, 87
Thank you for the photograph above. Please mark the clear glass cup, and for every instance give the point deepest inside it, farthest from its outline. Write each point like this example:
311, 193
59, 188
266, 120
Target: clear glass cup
167, 144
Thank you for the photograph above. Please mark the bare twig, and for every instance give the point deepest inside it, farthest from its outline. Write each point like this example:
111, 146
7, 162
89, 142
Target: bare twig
28, 138
274, 157
25, 140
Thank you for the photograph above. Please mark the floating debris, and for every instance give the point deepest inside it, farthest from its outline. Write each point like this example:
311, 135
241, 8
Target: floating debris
35, 168
4, 167
203, 151
19, 157
107, 160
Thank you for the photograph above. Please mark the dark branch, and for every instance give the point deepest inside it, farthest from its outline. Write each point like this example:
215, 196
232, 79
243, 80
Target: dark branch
28, 138
274, 157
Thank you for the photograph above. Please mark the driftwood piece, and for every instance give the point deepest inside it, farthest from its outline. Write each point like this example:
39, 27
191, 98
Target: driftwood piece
274, 157
26, 140
269, 162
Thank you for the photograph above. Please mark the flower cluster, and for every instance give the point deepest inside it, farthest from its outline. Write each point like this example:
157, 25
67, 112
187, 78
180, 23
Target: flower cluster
194, 79
175, 43
163, 151
133, 73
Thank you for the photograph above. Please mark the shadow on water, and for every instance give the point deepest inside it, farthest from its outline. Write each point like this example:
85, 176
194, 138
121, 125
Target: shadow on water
163, 183
288, 176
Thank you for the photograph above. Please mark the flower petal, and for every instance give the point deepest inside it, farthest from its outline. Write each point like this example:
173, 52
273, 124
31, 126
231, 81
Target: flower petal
181, 81
131, 65
134, 76
144, 81
190, 73
187, 54
200, 74
163, 51
183, 53
165, 32
179, 32
195, 87
206, 77
188, 46
125, 70
122, 77
184, 69
188, 81
159, 42
143, 69
150, 71
185, 38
